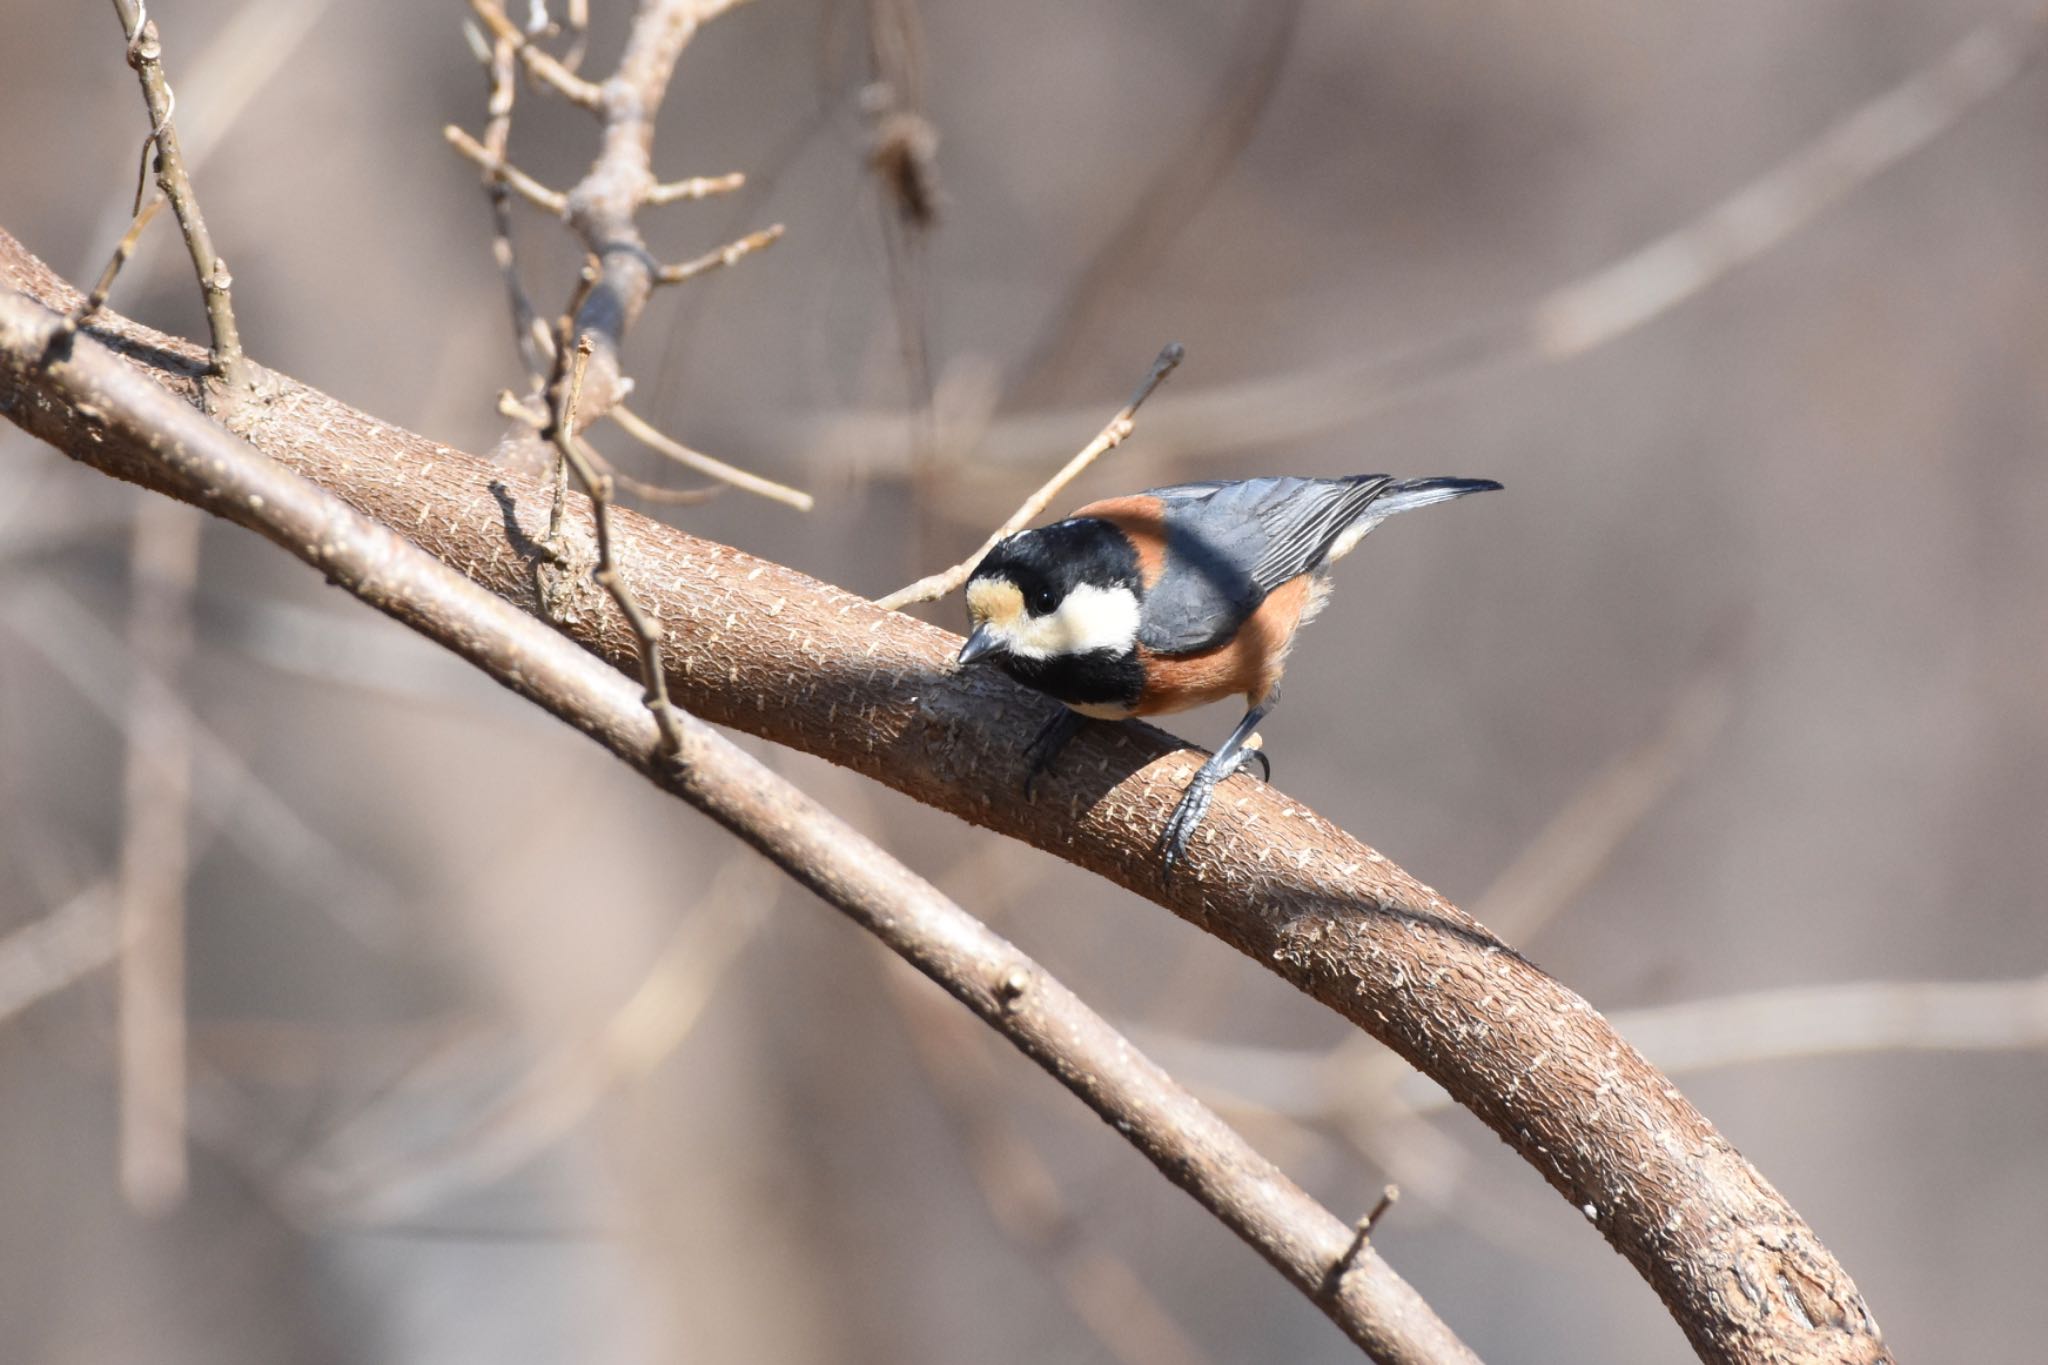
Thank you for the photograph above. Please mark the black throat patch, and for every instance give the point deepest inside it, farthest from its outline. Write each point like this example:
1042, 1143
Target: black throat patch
1061, 557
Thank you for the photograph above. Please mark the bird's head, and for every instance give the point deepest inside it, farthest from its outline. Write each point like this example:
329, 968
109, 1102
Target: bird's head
1065, 589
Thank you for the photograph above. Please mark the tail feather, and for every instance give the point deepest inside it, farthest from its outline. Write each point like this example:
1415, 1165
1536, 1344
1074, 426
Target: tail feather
1405, 495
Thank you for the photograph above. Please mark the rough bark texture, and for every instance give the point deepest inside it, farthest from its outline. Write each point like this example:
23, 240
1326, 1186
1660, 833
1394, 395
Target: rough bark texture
763, 649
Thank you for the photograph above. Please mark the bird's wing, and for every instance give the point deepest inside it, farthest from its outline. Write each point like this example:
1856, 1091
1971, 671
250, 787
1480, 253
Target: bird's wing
1232, 543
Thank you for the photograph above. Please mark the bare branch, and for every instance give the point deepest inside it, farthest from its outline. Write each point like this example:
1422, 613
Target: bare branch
935, 586
601, 208
145, 54
1022, 1193
777, 654
535, 342
144, 432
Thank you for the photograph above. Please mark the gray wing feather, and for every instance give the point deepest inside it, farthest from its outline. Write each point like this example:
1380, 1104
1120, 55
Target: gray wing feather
1232, 543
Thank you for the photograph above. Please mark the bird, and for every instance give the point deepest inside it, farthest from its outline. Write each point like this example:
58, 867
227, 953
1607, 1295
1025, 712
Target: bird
1172, 598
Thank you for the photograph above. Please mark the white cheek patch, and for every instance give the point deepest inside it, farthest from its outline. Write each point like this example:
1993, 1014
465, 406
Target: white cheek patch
1088, 619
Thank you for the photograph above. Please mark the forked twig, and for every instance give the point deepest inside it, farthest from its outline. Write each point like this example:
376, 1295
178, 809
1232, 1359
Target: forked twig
543, 67
145, 54
495, 167
601, 211
934, 586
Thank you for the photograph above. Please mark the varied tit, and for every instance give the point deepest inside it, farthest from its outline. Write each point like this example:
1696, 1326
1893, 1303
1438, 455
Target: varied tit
1173, 598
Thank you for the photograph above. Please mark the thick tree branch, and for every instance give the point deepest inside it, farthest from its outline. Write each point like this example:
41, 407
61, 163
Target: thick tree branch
74, 392
767, 650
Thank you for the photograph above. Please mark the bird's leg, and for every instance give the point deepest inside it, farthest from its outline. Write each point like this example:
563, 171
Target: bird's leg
1047, 745
1194, 802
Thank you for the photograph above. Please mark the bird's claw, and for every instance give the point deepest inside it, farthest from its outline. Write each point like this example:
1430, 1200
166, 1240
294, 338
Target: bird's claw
1180, 827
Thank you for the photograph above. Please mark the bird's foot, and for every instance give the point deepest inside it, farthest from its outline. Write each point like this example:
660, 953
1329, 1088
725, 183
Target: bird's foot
1194, 804
1258, 756
1046, 746
1180, 826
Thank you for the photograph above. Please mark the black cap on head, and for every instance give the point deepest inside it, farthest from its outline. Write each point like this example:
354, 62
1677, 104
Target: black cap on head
1047, 563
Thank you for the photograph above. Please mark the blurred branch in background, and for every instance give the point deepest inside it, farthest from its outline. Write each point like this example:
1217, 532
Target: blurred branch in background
376, 1166
145, 432
155, 806
1569, 321
71, 942
256, 818
1166, 203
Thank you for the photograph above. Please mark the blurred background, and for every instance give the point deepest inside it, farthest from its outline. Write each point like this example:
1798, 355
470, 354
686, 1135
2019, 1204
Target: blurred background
1728, 711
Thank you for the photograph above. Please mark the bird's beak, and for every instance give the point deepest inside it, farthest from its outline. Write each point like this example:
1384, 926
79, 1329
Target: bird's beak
980, 644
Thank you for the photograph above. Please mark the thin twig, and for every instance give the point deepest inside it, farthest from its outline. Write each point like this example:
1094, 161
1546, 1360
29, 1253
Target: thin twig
145, 54
637, 427
723, 256
696, 187
1362, 1232
496, 168
934, 586
598, 488
82, 315
536, 343
143, 428
543, 67
654, 492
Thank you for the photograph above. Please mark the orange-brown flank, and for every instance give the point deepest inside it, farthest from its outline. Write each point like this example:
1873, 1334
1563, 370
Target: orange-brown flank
1247, 665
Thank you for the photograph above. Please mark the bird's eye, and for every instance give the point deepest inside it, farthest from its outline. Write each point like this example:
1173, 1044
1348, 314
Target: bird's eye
1043, 601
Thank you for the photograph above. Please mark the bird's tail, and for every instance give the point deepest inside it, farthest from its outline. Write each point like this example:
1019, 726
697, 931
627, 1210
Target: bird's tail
1405, 495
